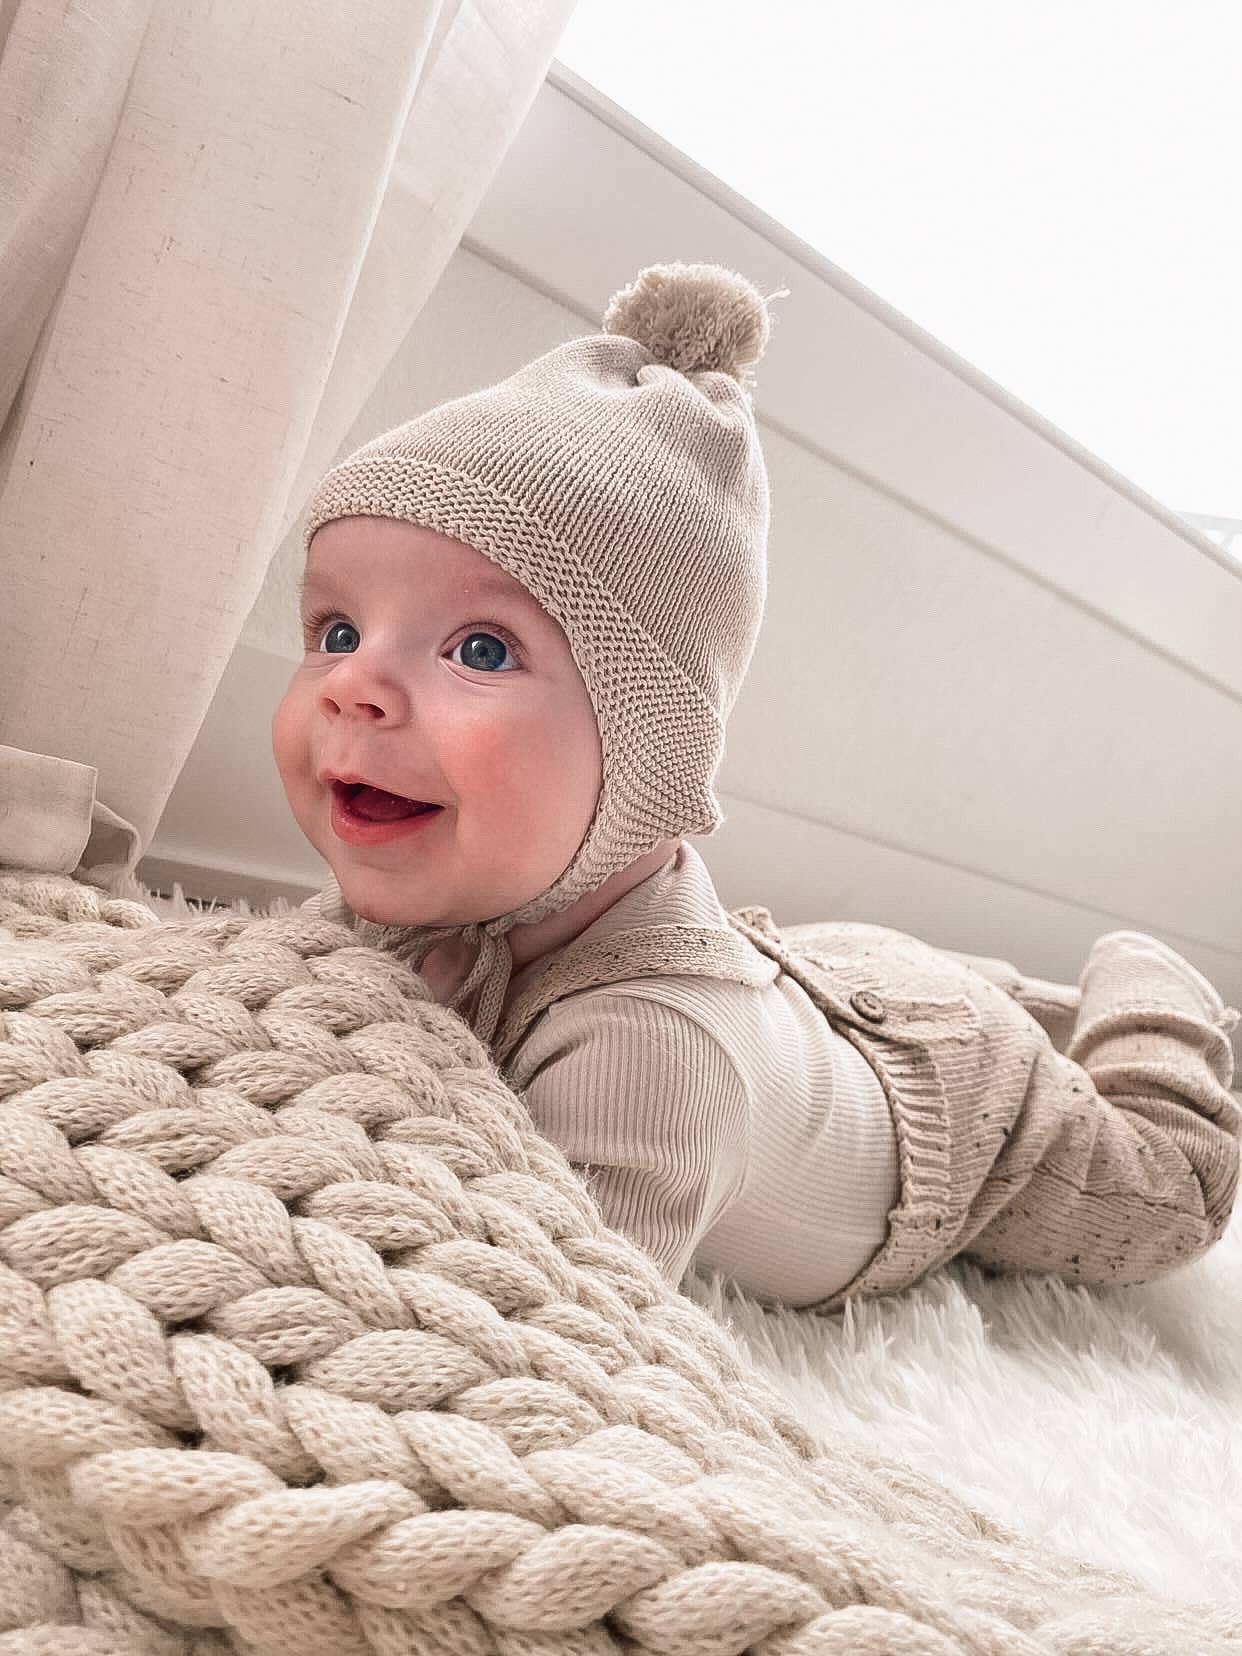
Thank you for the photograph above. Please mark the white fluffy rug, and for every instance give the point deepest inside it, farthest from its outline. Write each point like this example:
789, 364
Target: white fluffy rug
1106, 1422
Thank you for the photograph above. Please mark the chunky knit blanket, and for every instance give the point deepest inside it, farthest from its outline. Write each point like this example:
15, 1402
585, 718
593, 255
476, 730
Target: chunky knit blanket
309, 1342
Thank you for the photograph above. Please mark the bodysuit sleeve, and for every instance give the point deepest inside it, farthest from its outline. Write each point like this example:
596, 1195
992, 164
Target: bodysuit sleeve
647, 1105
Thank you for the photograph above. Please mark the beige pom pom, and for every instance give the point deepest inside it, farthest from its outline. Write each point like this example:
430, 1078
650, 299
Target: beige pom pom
693, 317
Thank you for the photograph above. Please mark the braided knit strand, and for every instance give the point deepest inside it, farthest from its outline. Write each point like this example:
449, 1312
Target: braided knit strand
310, 1342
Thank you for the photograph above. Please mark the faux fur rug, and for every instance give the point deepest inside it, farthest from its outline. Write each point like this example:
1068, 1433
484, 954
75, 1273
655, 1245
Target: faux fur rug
1107, 1422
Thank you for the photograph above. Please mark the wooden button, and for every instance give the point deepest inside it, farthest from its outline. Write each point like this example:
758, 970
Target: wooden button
869, 1005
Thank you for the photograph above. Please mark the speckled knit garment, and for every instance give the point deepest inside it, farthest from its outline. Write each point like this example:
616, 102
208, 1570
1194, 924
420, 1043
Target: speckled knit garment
620, 479
310, 1344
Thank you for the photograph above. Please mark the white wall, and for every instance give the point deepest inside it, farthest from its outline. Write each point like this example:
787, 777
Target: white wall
997, 701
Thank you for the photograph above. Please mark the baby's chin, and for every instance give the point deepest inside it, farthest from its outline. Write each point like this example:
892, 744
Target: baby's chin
391, 912
383, 914
381, 902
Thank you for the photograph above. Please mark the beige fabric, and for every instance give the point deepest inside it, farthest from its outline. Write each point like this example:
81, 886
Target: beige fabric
1114, 1160
312, 1343
218, 224
52, 819
620, 479
1086, 1130
59, 110
724, 1124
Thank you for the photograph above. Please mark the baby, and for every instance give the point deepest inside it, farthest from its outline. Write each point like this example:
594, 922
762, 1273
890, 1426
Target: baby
527, 615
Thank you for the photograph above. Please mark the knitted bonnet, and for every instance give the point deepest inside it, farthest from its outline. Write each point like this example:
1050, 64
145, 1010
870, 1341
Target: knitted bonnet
619, 478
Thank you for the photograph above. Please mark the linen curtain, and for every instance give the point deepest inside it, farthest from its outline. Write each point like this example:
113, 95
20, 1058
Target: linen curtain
217, 224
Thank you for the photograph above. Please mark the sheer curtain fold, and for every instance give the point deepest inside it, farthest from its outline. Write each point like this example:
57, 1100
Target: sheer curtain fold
218, 225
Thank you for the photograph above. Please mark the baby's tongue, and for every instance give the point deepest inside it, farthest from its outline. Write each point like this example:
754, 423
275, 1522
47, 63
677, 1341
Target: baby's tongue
381, 806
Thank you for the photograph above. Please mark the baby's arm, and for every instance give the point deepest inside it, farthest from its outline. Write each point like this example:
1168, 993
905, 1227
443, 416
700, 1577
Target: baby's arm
648, 1107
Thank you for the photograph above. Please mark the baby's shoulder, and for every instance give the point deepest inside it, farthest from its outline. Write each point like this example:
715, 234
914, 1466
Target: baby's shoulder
653, 1016
642, 1005
659, 1073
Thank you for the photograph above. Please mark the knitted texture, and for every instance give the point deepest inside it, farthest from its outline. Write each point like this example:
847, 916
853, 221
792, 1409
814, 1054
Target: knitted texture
310, 1343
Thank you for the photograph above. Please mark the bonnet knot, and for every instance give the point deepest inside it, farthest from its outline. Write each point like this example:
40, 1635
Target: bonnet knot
694, 317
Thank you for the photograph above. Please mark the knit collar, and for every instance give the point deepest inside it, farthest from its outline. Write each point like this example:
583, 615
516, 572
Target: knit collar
493, 968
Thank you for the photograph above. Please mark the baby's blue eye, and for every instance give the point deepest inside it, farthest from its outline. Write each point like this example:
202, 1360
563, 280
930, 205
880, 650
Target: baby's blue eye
337, 626
485, 655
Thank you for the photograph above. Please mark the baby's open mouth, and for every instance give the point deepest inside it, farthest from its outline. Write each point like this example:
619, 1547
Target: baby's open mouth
376, 804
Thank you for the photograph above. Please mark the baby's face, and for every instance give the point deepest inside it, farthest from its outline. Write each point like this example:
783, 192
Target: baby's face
435, 675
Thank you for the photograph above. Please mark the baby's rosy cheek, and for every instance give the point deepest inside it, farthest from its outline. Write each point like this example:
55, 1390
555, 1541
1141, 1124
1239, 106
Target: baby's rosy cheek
522, 768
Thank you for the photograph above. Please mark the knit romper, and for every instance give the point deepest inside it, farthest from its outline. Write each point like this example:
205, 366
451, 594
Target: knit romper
1111, 1161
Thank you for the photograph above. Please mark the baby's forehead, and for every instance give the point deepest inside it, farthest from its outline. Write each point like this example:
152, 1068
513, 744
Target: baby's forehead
448, 573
